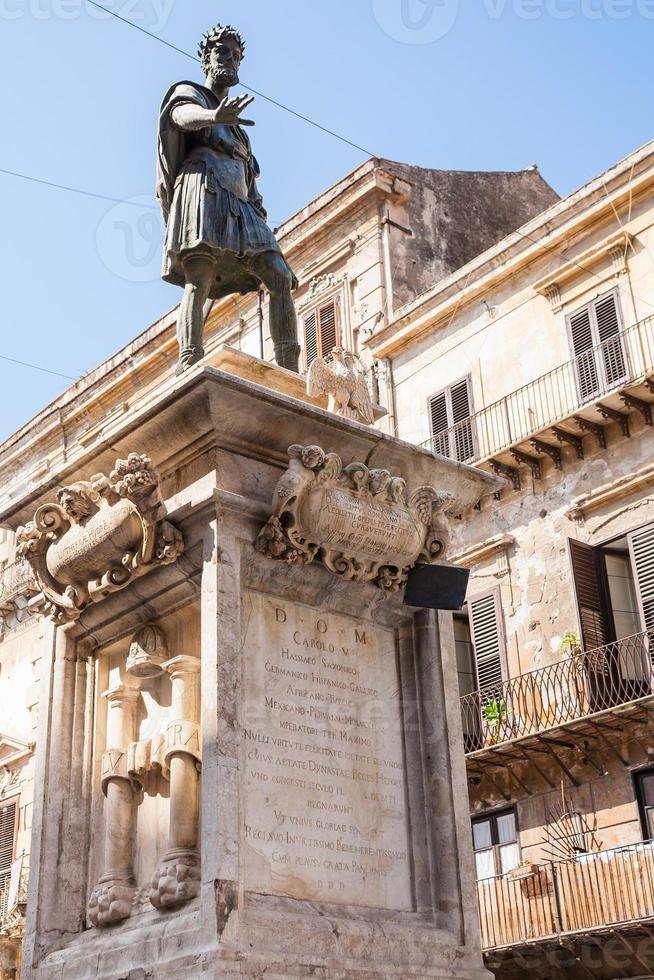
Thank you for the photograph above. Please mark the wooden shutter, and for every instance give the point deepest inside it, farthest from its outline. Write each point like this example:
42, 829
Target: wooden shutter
581, 334
641, 545
464, 447
311, 337
487, 631
440, 423
592, 595
8, 818
451, 425
595, 332
321, 332
608, 333
328, 329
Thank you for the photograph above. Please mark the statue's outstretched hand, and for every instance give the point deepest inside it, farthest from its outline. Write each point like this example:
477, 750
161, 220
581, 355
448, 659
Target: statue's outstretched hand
229, 111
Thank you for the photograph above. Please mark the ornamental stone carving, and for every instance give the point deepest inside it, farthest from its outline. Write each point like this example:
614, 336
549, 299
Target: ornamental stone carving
177, 877
363, 523
147, 653
112, 898
339, 375
99, 535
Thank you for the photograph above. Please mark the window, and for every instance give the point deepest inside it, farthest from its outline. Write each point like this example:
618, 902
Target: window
645, 798
465, 654
495, 840
590, 577
615, 587
487, 633
321, 331
597, 345
614, 584
450, 416
481, 663
8, 822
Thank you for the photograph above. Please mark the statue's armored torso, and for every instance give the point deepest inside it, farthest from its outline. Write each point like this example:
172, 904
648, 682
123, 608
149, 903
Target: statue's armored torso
225, 159
213, 199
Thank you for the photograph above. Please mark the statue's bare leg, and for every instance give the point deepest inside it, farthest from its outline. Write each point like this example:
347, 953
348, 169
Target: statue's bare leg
276, 276
199, 272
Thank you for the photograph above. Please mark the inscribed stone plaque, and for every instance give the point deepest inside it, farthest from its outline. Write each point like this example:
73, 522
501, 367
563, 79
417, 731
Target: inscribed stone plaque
325, 794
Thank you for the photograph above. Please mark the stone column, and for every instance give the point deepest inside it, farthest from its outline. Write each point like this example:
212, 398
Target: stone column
443, 809
111, 900
177, 878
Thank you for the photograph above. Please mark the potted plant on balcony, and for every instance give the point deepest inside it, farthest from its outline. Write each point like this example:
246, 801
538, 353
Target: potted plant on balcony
494, 714
571, 644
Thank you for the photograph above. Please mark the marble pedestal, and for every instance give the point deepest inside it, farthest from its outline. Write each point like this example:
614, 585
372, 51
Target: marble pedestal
331, 838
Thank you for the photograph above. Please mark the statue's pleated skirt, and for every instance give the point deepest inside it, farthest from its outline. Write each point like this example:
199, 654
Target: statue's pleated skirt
207, 217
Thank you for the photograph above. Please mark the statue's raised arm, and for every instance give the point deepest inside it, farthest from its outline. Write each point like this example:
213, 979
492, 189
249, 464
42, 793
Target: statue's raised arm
217, 240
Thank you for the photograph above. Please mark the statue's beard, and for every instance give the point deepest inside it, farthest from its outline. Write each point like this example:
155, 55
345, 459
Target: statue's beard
226, 77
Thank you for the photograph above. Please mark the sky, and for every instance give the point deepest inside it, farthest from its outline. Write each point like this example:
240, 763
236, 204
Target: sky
452, 84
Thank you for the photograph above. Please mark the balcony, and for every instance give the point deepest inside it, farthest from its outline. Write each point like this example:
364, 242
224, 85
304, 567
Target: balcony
582, 396
594, 694
17, 586
13, 899
548, 902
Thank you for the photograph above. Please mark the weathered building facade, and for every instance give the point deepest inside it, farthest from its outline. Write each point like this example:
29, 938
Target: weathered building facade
361, 249
534, 361
509, 330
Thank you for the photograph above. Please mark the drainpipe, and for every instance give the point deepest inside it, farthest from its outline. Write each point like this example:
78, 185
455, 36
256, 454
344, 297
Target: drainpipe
390, 394
386, 262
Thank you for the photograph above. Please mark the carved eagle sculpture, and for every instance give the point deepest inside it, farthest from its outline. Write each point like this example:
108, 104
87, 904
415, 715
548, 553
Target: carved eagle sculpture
338, 377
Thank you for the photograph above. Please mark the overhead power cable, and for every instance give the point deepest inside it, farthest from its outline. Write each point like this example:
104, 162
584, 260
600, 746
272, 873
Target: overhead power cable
261, 95
37, 367
76, 190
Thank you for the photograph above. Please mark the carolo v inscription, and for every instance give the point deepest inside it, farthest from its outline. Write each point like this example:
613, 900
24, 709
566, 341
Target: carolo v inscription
325, 794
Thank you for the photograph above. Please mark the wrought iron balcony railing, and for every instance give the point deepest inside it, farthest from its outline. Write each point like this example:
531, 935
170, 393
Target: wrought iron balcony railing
542, 699
623, 359
17, 584
13, 899
583, 894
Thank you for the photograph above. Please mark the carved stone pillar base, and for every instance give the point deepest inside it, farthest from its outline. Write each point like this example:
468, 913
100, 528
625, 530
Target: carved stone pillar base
111, 900
177, 878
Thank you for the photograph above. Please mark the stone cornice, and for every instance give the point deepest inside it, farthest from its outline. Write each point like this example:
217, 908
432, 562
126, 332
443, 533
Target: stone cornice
341, 199
66, 440
16, 750
616, 246
609, 493
476, 554
566, 220
208, 409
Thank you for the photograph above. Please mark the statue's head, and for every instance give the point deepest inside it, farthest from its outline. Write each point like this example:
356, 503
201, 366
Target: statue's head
221, 52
